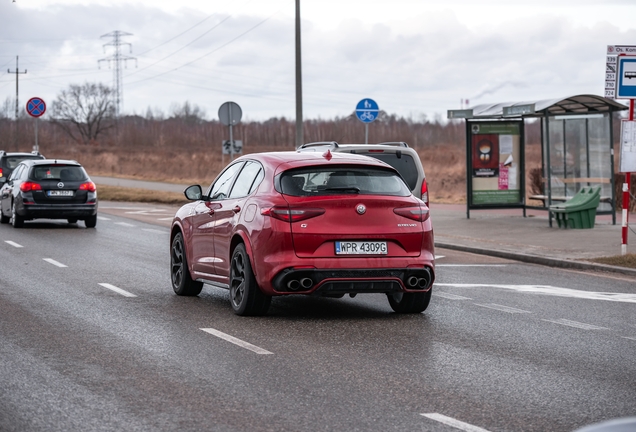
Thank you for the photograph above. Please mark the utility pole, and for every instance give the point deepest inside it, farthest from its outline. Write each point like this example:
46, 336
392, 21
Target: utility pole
299, 83
17, 74
117, 58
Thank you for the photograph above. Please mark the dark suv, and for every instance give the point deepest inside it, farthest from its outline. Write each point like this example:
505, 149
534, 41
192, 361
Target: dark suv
397, 154
51, 189
8, 162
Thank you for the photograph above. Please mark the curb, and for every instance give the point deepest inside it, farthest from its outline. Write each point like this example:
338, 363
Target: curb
535, 259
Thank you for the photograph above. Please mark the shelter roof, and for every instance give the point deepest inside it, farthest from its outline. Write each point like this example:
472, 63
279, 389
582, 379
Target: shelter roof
579, 104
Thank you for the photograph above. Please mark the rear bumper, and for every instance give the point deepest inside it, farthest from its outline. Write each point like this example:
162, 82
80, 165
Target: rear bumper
350, 281
56, 211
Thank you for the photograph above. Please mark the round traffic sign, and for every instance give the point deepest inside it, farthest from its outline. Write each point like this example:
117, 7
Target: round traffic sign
35, 107
230, 113
367, 110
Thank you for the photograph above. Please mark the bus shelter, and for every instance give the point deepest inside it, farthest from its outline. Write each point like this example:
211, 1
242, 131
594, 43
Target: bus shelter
576, 151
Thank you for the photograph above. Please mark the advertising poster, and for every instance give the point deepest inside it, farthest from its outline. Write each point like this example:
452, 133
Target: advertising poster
495, 156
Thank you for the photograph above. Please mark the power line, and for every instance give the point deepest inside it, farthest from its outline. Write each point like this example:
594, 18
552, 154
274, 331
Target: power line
118, 58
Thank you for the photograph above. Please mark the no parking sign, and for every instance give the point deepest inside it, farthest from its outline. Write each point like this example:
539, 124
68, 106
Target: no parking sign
36, 107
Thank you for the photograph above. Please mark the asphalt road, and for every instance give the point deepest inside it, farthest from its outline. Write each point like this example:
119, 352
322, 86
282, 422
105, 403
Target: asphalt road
93, 339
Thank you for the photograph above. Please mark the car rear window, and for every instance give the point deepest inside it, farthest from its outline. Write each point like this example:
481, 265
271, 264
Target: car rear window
13, 161
329, 180
58, 172
405, 165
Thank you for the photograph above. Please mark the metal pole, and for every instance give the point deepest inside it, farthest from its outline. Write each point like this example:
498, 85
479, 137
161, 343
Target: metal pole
366, 133
626, 185
299, 84
36, 147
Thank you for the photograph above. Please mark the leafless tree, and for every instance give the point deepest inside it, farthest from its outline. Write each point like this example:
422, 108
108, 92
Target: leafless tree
84, 111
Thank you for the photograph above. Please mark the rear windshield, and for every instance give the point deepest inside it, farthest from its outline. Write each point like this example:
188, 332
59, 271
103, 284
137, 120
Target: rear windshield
13, 161
405, 165
58, 172
329, 180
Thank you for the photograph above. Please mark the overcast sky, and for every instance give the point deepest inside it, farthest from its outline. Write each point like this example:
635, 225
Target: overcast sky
414, 58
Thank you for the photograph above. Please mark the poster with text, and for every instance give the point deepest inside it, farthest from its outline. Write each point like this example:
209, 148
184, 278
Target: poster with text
495, 159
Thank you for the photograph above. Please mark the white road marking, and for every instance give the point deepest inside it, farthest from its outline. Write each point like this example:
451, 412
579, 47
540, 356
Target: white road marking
14, 244
450, 296
575, 324
102, 218
503, 308
236, 341
440, 256
454, 422
552, 291
117, 290
471, 265
630, 338
162, 219
55, 263
154, 230
124, 224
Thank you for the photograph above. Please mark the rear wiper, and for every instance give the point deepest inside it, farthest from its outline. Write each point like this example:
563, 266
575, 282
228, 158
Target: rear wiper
353, 189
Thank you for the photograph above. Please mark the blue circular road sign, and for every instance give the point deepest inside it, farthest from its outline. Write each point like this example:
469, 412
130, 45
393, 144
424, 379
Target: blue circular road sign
35, 107
367, 110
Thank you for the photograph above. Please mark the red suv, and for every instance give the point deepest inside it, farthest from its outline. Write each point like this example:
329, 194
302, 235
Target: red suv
310, 223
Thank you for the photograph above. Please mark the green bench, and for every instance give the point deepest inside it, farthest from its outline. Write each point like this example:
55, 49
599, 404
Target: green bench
580, 211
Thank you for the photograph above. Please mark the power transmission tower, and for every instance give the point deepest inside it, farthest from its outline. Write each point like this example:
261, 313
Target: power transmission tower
17, 73
117, 58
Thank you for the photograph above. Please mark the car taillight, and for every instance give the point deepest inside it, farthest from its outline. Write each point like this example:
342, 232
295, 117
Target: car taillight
30, 186
0, 172
292, 214
425, 192
418, 213
88, 186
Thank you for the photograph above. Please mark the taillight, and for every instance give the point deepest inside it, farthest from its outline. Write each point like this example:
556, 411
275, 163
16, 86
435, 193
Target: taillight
292, 214
425, 192
0, 172
88, 186
418, 213
30, 186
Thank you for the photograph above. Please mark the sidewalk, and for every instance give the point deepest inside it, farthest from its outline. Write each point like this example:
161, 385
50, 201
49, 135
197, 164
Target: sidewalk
507, 234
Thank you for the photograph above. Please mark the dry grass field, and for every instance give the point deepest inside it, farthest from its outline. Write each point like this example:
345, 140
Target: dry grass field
187, 150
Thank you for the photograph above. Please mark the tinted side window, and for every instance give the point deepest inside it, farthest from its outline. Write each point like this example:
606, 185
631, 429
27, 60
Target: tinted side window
244, 181
16, 173
58, 172
220, 189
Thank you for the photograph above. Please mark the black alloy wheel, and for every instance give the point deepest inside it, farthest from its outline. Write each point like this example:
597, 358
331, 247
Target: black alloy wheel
246, 297
182, 282
409, 302
16, 220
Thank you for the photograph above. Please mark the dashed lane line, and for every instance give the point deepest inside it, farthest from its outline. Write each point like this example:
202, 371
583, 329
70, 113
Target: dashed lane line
117, 290
450, 296
14, 244
155, 230
236, 341
449, 421
102, 218
124, 224
471, 265
502, 308
576, 324
630, 338
55, 263
168, 218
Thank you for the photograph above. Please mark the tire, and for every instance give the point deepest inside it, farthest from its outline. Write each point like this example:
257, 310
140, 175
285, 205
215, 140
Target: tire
246, 297
409, 302
4, 219
72, 220
182, 282
16, 220
90, 221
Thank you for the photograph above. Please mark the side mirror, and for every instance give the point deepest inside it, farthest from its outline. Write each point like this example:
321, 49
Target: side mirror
193, 193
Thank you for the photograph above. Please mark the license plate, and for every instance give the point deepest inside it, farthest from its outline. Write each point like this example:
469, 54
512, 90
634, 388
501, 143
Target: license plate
361, 248
60, 193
